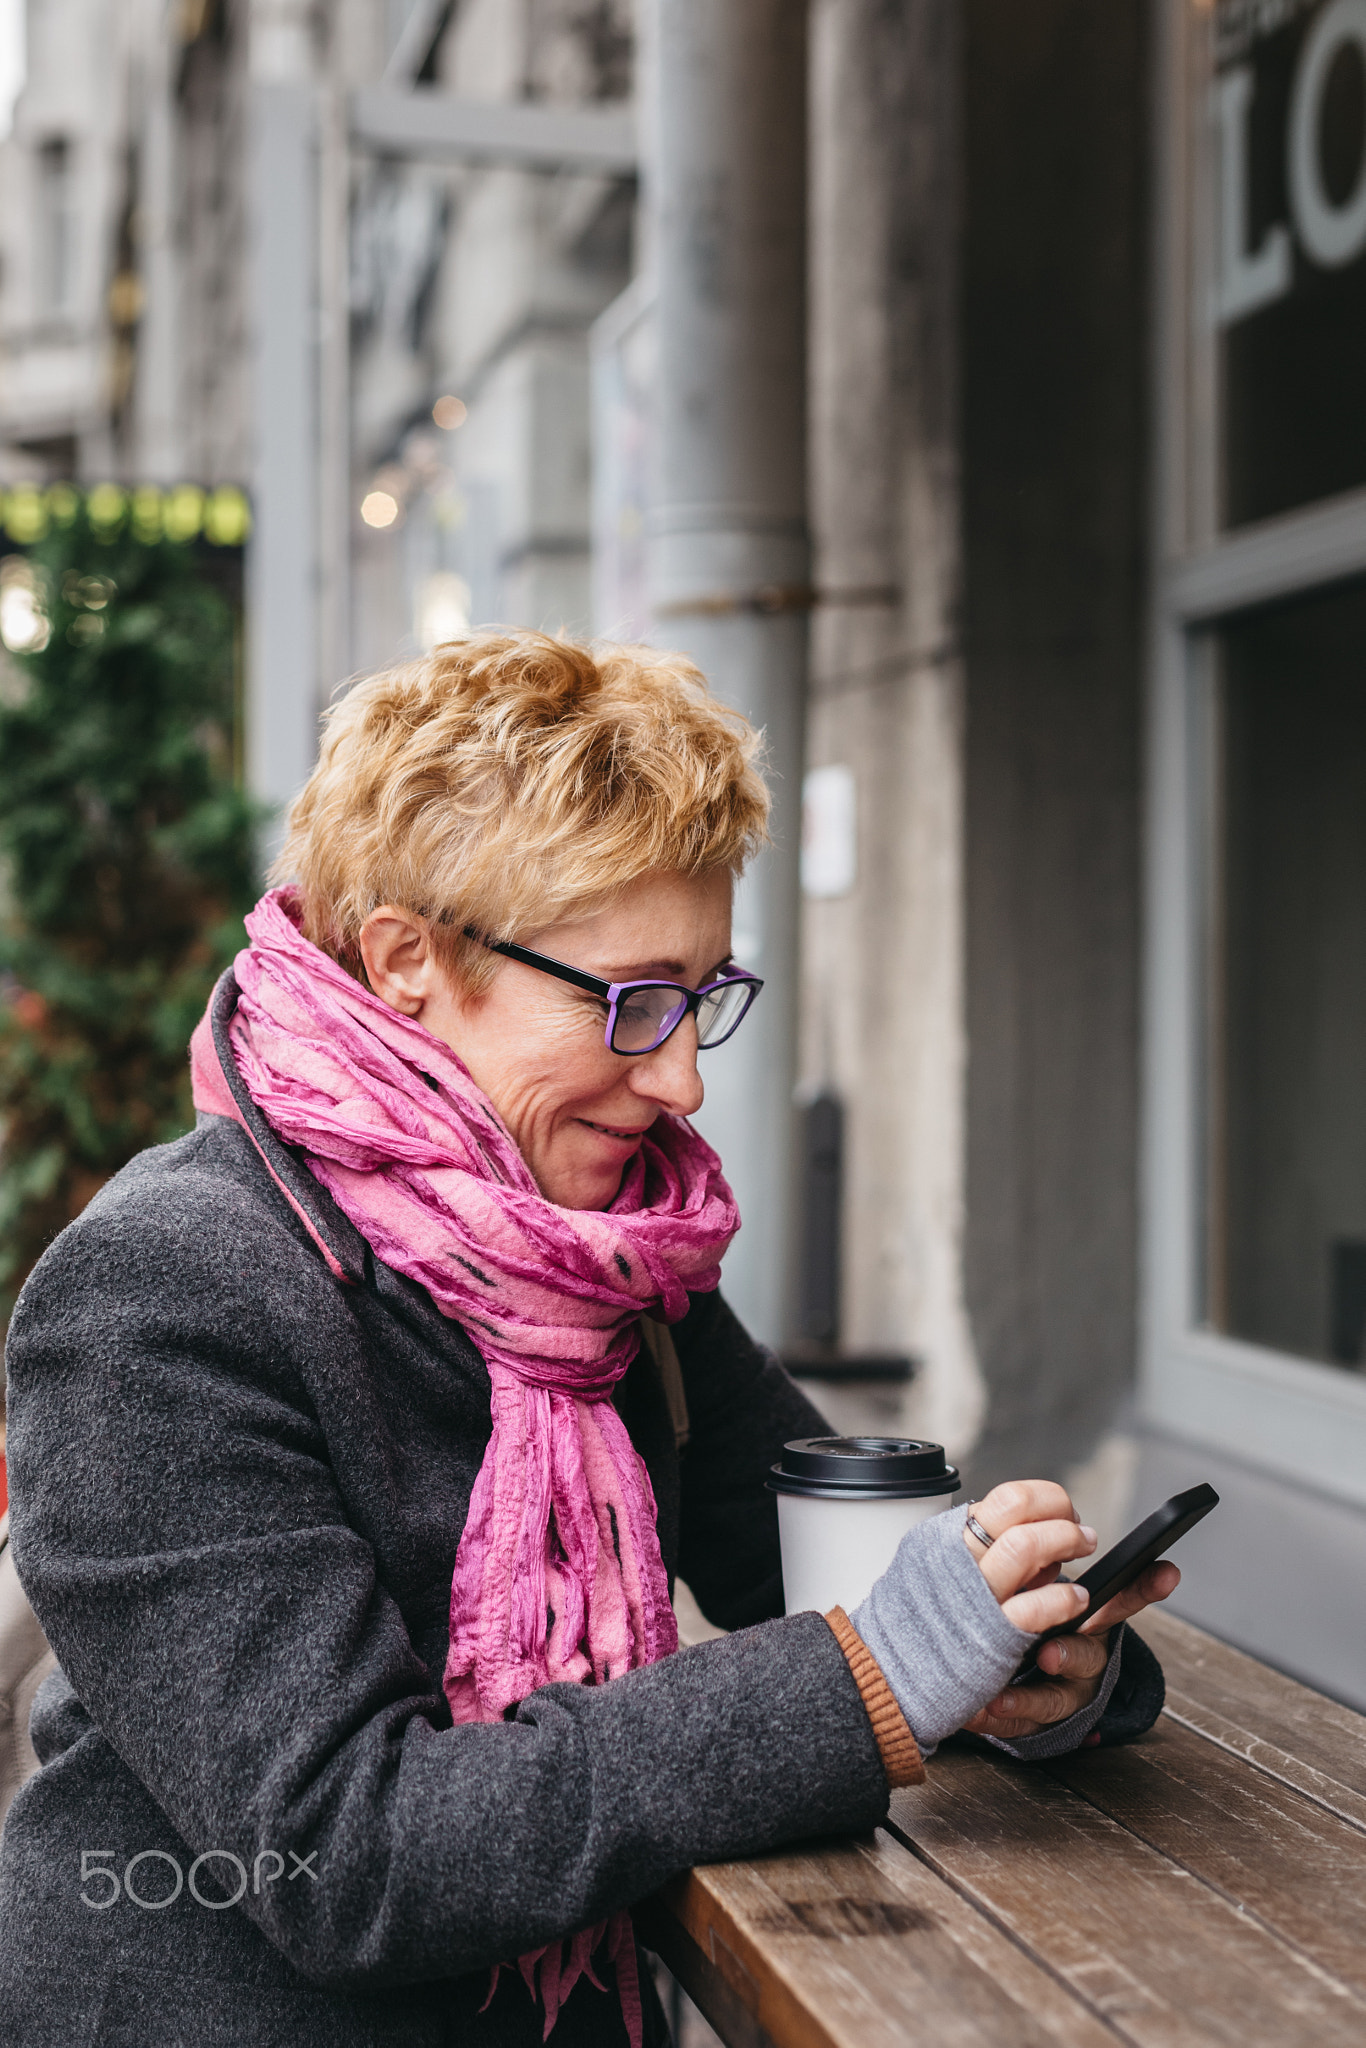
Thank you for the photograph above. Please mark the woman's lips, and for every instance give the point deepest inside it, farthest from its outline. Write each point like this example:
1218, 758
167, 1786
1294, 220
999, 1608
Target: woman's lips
616, 1132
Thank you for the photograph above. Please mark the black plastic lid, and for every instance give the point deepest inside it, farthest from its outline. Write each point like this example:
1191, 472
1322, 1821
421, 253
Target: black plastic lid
863, 1468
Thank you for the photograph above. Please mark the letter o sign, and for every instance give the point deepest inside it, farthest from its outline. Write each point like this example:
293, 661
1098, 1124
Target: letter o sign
152, 1856
1331, 235
224, 1856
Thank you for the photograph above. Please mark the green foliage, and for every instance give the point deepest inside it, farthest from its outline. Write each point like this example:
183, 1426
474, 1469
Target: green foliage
125, 858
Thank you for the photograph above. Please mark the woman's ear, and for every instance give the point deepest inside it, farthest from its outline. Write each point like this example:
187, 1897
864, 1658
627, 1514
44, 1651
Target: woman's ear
399, 961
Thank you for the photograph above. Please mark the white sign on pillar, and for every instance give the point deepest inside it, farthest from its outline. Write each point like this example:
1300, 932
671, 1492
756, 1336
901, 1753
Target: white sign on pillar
829, 832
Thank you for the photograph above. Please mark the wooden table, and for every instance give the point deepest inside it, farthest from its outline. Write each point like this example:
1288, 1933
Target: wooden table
1205, 1884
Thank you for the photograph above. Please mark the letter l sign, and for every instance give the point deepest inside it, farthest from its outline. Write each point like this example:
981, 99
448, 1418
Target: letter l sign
1246, 279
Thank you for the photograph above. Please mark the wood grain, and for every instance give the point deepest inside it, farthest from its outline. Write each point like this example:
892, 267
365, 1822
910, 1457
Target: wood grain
1165, 1959
1300, 1869
859, 1945
1275, 1723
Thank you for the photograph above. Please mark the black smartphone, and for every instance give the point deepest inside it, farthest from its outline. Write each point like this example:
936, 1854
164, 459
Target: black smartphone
1131, 1556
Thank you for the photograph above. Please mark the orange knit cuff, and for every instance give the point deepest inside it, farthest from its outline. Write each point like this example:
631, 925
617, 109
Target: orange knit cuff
900, 1756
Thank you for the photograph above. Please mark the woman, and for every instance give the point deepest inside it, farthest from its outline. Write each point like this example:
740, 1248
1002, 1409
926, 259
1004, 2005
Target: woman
345, 1487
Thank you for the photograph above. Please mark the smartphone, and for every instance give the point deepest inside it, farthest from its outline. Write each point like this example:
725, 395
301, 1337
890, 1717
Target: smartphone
1131, 1556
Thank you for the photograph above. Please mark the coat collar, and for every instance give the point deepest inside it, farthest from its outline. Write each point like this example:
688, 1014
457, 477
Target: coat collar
348, 1256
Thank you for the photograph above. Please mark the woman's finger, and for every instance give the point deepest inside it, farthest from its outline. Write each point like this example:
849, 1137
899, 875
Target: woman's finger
1042, 1704
1019, 1500
1043, 1578
1021, 1552
1075, 1657
1026, 1719
1157, 1583
1004, 1731
1050, 1607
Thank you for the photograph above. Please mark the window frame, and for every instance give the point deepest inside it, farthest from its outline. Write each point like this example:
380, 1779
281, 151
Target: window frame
1294, 1416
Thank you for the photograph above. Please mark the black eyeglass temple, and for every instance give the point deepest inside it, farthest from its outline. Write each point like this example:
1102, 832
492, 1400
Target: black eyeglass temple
594, 983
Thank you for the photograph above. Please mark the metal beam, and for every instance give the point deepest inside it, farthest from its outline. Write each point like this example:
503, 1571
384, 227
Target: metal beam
430, 124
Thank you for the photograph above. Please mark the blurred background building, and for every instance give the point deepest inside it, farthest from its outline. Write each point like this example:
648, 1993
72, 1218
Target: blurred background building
974, 389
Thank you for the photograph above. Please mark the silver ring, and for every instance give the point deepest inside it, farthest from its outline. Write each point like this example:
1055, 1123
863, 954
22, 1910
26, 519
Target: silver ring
978, 1531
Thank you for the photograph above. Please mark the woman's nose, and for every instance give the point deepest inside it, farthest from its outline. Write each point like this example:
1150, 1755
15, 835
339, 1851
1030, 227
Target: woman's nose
669, 1075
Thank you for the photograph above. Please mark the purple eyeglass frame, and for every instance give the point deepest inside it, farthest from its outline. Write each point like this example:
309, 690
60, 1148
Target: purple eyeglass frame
612, 992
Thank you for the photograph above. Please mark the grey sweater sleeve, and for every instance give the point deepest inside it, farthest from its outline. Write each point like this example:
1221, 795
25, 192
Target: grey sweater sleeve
941, 1638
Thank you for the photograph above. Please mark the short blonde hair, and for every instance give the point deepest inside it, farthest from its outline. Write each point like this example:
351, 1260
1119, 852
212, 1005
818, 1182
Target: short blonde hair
511, 779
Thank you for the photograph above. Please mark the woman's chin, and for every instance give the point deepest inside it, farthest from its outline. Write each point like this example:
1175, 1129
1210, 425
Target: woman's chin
583, 1184
586, 1171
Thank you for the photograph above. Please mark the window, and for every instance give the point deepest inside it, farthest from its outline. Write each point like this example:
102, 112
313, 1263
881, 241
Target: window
1255, 1209
1286, 1203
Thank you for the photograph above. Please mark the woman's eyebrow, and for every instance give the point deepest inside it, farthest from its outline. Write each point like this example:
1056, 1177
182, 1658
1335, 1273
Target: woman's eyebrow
660, 970
646, 970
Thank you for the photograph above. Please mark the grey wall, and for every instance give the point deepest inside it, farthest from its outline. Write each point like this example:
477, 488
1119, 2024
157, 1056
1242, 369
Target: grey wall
1052, 379
1278, 1570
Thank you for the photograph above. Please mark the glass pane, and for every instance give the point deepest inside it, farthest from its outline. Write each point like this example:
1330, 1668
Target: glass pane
1287, 1185
717, 1014
644, 1016
1287, 159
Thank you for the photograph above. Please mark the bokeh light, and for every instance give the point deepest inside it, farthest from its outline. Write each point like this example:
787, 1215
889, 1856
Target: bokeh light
24, 626
379, 508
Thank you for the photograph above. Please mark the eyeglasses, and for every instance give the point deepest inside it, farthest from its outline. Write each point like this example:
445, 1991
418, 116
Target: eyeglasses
642, 1014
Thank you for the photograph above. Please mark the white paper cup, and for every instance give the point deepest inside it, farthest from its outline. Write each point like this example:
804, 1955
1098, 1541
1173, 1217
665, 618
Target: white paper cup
844, 1504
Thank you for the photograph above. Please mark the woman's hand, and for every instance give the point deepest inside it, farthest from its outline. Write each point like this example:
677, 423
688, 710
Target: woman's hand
1036, 1531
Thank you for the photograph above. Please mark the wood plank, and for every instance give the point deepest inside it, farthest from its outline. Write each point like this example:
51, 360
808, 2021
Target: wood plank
859, 1945
1300, 1869
1190, 1713
1281, 1726
1165, 1959
715, 1998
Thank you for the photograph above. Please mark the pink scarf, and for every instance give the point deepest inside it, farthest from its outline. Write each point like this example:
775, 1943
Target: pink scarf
558, 1575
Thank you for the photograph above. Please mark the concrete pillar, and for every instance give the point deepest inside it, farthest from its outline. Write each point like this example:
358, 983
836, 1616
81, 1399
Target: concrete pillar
882, 964
1055, 451
282, 565
729, 556
158, 449
335, 486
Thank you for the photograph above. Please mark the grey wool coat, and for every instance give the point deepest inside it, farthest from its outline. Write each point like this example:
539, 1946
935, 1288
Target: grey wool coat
239, 1478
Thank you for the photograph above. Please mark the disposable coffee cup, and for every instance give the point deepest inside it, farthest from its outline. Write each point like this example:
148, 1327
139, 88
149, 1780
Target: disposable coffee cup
844, 1504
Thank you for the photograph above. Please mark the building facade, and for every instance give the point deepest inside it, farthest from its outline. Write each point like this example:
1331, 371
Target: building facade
1084, 457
